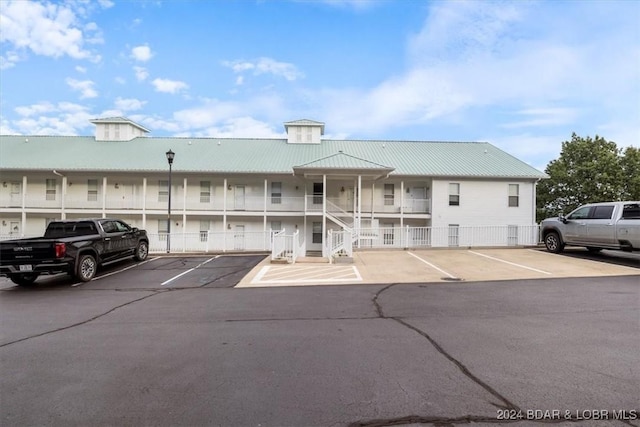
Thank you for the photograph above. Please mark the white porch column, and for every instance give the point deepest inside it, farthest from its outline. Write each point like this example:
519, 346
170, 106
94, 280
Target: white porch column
23, 216
264, 216
359, 218
144, 203
184, 206
224, 207
104, 197
402, 203
324, 213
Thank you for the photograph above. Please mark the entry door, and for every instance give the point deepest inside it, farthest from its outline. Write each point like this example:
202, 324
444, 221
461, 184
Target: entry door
238, 238
350, 196
239, 197
16, 193
317, 193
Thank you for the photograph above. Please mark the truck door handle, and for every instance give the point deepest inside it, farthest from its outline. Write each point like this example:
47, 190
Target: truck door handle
106, 239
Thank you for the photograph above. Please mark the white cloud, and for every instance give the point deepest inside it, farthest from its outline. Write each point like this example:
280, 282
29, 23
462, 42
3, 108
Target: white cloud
543, 117
266, 66
44, 118
141, 73
47, 29
85, 87
141, 53
130, 104
80, 69
169, 86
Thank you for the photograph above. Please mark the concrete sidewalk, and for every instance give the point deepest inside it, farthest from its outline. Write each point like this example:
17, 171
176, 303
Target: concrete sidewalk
434, 265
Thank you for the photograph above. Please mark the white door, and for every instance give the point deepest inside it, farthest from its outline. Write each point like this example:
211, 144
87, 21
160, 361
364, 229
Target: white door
16, 193
239, 197
238, 238
14, 228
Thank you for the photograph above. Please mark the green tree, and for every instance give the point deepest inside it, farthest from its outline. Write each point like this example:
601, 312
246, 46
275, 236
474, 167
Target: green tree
588, 170
631, 169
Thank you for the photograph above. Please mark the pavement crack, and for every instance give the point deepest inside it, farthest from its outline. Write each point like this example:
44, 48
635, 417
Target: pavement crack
450, 422
84, 322
507, 404
377, 304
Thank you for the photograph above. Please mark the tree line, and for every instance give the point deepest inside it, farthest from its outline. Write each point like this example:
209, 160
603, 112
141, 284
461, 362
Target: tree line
588, 170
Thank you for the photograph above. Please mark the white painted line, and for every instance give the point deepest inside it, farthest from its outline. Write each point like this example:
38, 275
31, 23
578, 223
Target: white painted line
188, 271
511, 263
113, 272
433, 266
315, 275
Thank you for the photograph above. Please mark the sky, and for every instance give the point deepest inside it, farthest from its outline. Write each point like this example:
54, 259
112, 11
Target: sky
522, 75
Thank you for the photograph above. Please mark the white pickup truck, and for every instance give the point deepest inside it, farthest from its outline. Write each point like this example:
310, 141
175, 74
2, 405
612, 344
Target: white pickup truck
596, 226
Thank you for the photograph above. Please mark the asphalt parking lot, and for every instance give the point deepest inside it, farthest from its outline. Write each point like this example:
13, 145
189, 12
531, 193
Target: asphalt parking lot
173, 342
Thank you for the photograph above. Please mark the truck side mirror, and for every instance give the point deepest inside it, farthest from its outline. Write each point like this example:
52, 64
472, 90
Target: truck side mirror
563, 219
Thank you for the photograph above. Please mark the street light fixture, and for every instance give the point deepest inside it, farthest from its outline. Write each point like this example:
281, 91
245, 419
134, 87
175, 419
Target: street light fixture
170, 155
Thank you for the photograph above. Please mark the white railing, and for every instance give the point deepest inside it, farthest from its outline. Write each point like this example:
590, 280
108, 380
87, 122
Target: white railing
437, 237
339, 243
292, 246
287, 246
213, 241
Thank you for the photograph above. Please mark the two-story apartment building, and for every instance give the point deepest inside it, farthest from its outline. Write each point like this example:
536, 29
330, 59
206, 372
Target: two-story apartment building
243, 185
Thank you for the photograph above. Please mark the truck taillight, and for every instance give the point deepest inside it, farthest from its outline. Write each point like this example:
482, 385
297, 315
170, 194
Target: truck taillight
61, 250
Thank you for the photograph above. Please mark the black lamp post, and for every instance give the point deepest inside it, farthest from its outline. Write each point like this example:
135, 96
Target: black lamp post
170, 156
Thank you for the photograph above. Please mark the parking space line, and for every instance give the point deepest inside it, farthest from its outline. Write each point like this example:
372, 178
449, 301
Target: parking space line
451, 276
315, 274
114, 272
188, 271
511, 263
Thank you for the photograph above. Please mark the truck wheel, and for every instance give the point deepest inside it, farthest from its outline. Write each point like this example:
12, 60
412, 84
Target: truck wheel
553, 243
86, 268
142, 251
24, 279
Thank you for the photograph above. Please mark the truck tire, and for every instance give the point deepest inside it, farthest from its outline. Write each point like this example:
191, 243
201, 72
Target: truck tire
553, 243
24, 279
86, 267
142, 251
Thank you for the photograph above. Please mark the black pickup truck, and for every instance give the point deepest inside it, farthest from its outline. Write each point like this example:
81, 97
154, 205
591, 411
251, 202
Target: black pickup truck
75, 247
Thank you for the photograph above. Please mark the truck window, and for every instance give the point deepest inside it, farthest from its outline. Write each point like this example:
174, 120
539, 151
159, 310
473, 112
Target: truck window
109, 227
582, 213
631, 211
602, 212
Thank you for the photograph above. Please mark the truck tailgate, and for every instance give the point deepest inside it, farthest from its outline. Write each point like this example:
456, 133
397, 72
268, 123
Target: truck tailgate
26, 251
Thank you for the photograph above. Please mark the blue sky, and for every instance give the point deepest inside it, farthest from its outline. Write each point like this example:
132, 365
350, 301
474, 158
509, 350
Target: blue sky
522, 75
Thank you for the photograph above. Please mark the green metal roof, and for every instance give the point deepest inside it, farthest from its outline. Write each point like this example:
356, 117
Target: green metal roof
259, 156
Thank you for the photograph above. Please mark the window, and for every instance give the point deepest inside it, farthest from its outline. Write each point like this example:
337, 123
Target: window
454, 194
276, 225
514, 195
163, 191
631, 211
602, 212
298, 134
204, 230
205, 191
116, 132
316, 232
388, 233
162, 230
92, 190
16, 188
106, 131
51, 189
389, 194
276, 193
454, 234
309, 134
582, 213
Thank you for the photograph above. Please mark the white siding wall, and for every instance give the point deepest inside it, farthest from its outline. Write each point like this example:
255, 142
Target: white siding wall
482, 203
